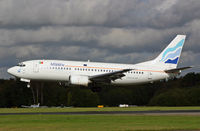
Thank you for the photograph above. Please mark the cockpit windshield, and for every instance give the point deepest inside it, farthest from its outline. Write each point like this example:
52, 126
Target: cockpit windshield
21, 65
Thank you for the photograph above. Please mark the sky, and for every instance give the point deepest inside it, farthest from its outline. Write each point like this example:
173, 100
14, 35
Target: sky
119, 31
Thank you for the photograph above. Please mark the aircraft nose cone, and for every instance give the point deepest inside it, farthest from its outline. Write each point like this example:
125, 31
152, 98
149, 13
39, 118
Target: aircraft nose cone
10, 71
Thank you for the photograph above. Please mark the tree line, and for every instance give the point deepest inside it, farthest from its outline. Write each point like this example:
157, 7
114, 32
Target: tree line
183, 91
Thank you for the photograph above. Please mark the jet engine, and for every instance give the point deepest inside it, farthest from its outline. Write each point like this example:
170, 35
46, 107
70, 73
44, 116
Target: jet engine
79, 80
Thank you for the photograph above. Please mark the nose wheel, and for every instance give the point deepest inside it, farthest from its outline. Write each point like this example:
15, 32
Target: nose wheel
28, 85
37, 91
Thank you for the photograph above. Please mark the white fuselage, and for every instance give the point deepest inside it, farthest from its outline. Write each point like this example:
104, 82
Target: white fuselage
90, 74
58, 70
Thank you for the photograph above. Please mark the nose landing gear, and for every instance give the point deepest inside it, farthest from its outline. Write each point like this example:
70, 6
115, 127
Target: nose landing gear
28, 85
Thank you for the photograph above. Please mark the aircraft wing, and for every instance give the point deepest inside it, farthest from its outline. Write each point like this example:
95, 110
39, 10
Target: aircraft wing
177, 70
108, 77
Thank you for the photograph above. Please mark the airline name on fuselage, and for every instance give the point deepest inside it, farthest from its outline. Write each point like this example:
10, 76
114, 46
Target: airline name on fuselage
57, 64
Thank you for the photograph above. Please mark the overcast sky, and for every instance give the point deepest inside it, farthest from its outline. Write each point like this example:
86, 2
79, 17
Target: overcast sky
122, 31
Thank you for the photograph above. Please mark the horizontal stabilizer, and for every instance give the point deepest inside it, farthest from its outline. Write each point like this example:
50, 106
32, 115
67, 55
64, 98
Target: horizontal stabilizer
177, 70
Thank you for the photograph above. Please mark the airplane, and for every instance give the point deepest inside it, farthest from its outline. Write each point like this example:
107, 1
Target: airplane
31, 106
95, 74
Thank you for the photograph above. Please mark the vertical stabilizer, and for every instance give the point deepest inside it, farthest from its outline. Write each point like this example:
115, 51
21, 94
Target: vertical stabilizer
170, 56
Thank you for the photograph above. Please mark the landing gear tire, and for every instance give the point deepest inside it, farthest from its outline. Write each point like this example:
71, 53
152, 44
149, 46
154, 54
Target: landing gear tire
64, 84
96, 89
28, 85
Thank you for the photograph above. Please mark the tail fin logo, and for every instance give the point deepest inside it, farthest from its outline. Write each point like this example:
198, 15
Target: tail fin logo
171, 55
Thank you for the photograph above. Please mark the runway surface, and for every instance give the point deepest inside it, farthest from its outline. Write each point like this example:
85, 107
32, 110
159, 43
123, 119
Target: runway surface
153, 112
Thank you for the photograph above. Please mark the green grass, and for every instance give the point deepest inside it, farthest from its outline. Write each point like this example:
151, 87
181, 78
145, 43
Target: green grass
98, 122
18, 110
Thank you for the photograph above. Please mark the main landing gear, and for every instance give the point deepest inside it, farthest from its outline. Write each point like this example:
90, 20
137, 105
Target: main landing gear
96, 89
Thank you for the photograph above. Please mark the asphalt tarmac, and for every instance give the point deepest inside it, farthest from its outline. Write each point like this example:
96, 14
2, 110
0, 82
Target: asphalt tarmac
153, 112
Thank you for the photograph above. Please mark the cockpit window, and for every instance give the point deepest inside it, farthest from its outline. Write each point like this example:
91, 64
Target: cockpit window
21, 65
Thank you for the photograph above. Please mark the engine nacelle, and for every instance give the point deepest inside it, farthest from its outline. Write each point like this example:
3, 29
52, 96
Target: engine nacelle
79, 80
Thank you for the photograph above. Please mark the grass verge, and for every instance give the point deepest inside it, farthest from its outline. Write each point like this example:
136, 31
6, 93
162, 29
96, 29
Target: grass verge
98, 122
22, 110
